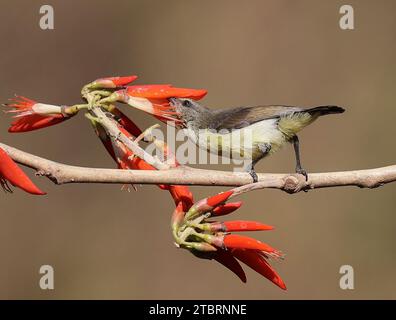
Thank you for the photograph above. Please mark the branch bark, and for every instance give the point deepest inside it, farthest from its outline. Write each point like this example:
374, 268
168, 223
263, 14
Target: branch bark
61, 174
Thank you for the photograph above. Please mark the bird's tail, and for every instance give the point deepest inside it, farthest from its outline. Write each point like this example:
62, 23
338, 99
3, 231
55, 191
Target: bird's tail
292, 124
323, 110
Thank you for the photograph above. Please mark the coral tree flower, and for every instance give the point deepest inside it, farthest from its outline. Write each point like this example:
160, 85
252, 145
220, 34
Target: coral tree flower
154, 99
165, 91
111, 82
31, 115
215, 240
11, 173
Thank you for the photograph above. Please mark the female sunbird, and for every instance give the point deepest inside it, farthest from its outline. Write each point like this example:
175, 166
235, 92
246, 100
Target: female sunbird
269, 127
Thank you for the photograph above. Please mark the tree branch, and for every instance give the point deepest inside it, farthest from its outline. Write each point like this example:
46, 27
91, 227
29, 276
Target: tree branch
291, 183
113, 130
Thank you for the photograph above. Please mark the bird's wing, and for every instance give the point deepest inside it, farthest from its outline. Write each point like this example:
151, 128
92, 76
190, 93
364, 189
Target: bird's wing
244, 116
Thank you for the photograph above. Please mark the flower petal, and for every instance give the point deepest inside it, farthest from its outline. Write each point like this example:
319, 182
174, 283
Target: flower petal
227, 259
10, 171
164, 91
219, 198
234, 241
111, 82
34, 122
121, 81
127, 123
255, 261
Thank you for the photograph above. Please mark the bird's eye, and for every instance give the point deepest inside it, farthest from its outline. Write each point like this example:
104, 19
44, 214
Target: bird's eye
187, 104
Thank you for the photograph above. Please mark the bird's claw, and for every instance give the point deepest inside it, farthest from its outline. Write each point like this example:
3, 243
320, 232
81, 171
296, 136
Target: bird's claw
302, 171
253, 174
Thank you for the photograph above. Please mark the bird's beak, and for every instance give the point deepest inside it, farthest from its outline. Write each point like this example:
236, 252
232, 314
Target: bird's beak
173, 101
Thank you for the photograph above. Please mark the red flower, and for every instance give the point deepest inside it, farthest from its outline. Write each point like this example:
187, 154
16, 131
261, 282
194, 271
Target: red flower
219, 198
234, 241
10, 172
154, 99
238, 225
182, 194
208, 204
164, 91
31, 115
111, 82
226, 208
257, 261
252, 253
227, 259
126, 123
242, 225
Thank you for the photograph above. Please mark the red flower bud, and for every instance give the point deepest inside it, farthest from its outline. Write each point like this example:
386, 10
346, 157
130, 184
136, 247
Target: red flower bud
111, 82
226, 208
234, 241
242, 225
219, 198
208, 204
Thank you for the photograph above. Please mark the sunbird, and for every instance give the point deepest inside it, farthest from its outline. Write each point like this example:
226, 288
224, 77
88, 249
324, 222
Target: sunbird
269, 128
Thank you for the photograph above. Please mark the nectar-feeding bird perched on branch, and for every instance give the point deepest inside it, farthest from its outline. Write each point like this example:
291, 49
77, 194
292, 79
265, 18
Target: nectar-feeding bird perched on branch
196, 225
264, 129
268, 128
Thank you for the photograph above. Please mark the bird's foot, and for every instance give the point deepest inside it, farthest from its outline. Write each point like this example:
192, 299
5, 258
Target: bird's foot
253, 174
302, 171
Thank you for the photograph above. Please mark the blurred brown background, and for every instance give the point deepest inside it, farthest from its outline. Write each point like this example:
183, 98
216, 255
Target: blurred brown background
105, 243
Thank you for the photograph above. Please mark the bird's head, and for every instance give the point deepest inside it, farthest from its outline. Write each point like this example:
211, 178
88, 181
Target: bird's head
187, 109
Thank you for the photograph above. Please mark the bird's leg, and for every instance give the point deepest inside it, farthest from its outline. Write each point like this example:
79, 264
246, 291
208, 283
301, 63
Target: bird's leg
265, 148
299, 169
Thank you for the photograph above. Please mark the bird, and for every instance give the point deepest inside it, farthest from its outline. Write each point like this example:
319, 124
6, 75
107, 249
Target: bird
268, 126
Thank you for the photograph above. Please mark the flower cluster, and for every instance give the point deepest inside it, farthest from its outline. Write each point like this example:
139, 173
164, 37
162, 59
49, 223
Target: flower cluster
154, 99
212, 239
192, 223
